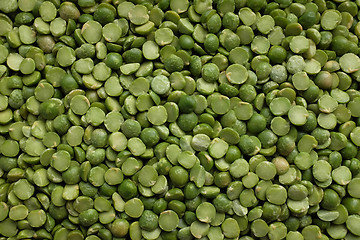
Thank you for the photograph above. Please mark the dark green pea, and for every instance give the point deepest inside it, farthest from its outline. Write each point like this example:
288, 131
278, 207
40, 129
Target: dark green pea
186, 42
160, 205
131, 128
222, 203
133, 55
211, 43
148, 220
285, 145
187, 122
271, 211
51, 108
232, 154
210, 72
351, 204
127, 189
149, 136
308, 19
257, 123
178, 175
173, 63
256, 5
331, 199
189, 217
113, 60
105, 13
191, 191
292, 223
277, 54
187, 104
340, 45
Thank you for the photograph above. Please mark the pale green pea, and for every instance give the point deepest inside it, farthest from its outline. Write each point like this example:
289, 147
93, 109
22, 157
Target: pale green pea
352, 224
23, 189
139, 86
276, 194
160, 84
27, 35
113, 87
298, 207
136, 146
129, 68
265, 24
349, 62
130, 166
150, 50
204, 87
206, 212
321, 170
92, 31
260, 45
236, 74
95, 116
299, 44
148, 176
307, 143
298, 115
277, 230
340, 96
259, 228
134, 207
96, 176
168, 220
157, 115
101, 72
10, 148
27, 66
243, 110
61, 160
14, 61
111, 32
220, 104
124, 8
312, 67
84, 65
164, 36
18, 212
230, 228
330, 19
218, 148
58, 27
138, 15
75, 135
71, 192
353, 187
117, 141
161, 185
187, 159
199, 229
40, 177
239, 168
337, 231
266, 170
65, 56
327, 104
327, 120
247, 16
47, 11
280, 106
301, 81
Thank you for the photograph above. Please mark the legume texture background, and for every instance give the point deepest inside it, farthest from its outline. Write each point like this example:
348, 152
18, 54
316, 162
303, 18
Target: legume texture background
178, 119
